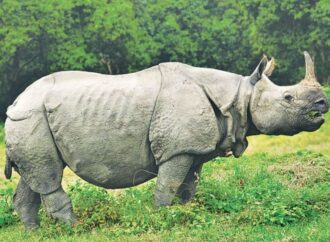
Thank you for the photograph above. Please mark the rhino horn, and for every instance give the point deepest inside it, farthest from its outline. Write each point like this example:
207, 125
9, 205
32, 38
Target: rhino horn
310, 79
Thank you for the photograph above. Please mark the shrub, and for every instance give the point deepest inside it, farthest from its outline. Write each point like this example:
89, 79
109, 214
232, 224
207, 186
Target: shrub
94, 206
7, 216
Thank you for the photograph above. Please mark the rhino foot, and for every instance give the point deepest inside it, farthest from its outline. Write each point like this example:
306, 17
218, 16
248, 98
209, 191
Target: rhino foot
31, 226
66, 215
171, 175
27, 204
187, 189
59, 206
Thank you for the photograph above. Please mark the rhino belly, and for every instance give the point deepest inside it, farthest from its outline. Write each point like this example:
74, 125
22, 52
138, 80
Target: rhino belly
101, 128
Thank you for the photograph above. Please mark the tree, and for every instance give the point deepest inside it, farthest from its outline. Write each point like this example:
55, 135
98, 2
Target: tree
285, 29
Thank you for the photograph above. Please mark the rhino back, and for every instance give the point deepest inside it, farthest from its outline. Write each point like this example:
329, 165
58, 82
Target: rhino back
100, 124
30, 102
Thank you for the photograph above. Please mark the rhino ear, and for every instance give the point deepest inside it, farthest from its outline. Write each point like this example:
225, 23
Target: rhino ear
270, 67
257, 73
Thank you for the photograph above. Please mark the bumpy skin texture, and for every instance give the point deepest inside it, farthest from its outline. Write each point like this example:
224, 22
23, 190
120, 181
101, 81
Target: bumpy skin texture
27, 204
105, 139
120, 131
29, 142
188, 187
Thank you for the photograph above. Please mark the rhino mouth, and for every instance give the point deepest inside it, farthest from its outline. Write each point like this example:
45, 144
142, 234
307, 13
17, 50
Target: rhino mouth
315, 114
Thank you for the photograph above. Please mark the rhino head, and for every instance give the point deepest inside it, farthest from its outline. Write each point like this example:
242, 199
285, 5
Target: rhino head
286, 109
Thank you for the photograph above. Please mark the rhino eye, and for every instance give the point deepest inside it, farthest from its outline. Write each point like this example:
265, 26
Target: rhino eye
288, 97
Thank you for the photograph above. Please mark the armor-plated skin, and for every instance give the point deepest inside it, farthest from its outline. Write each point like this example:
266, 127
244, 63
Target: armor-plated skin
166, 121
105, 141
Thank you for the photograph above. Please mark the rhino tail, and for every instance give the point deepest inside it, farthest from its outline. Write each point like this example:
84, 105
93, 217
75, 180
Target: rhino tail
8, 167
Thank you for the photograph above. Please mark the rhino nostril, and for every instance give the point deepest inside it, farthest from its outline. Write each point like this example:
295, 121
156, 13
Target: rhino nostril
321, 102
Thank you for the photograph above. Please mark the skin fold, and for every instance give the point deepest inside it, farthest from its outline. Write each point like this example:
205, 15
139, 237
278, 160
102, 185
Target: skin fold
165, 121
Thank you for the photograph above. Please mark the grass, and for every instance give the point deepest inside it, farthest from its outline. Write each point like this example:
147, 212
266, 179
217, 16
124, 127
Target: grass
259, 197
278, 191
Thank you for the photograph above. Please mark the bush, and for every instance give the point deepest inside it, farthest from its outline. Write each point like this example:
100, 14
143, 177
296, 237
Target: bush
7, 216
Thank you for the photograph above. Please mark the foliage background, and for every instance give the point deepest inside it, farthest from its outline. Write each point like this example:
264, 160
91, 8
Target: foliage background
120, 36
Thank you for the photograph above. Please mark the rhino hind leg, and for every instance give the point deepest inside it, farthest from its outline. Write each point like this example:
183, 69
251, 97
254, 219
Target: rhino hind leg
31, 148
27, 204
58, 205
171, 175
187, 189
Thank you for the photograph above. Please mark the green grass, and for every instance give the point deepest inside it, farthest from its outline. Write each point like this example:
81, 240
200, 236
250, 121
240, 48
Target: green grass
278, 191
259, 197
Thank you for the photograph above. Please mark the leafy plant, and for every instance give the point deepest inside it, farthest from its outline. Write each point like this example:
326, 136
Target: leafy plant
7, 216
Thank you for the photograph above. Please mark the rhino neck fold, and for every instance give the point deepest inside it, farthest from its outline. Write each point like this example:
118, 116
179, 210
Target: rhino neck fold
239, 111
230, 94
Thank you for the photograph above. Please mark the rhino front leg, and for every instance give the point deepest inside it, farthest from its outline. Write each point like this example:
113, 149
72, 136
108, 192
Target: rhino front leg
58, 205
171, 175
27, 204
188, 188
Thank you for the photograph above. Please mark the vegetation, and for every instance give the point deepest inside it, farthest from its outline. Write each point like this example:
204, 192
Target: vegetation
278, 191
286, 195
281, 195
41, 37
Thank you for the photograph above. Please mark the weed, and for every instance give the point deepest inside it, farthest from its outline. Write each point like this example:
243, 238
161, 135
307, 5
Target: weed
7, 216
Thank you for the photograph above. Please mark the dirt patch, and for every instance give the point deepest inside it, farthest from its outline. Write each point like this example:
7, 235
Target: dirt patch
287, 239
220, 174
297, 174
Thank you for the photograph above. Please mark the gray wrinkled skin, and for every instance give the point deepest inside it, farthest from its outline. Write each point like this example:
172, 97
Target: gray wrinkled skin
166, 121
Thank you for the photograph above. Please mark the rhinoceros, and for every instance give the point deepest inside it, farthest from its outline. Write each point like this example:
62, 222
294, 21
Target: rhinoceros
118, 131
